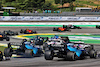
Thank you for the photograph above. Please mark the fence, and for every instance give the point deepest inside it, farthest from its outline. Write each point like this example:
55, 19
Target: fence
58, 14
47, 18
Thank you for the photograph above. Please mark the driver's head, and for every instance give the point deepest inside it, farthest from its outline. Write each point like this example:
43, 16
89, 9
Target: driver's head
56, 36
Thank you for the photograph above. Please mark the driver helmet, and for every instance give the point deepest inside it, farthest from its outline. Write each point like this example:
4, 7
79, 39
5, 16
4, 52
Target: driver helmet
24, 40
56, 37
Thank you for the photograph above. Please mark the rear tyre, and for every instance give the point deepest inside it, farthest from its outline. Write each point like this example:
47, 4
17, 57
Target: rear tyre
71, 56
48, 55
7, 52
28, 53
93, 54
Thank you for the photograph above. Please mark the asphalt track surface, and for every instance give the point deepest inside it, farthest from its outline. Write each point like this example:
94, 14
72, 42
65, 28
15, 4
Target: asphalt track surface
50, 29
57, 62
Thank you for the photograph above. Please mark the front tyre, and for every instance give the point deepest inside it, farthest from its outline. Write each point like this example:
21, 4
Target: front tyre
1, 56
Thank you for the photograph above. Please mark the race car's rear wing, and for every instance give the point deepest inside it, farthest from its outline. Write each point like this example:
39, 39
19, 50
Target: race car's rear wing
14, 44
78, 42
66, 39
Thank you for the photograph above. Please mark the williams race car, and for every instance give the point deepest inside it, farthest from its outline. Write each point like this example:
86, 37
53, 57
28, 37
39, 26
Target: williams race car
55, 40
27, 31
9, 32
69, 51
27, 49
4, 36
72, 26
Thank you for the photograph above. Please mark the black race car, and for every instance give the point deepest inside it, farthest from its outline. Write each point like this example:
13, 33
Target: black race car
27, 31
9, 32
97, 26
72, 26
4, 36
26, 48
1, 56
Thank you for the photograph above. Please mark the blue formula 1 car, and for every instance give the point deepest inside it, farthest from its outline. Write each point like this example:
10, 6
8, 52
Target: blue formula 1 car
26, 49
70, 51
81, 50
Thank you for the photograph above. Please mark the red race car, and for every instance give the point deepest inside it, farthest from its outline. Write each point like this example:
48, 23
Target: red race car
27, 31
61, 29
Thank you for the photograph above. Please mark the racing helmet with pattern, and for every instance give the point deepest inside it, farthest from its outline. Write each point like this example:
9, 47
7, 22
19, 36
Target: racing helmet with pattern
56, 37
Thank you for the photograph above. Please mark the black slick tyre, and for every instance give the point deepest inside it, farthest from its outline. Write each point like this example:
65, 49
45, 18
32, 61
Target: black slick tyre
28, 53
1, 56
71, 56
48, 55
93, 54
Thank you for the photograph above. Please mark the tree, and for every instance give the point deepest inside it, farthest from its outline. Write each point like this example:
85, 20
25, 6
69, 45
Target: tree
65, 1
34, 3
24, 4
48, 5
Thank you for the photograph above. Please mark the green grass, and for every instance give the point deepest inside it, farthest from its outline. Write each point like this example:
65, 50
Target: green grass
89, 41
2, 48
88, 3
